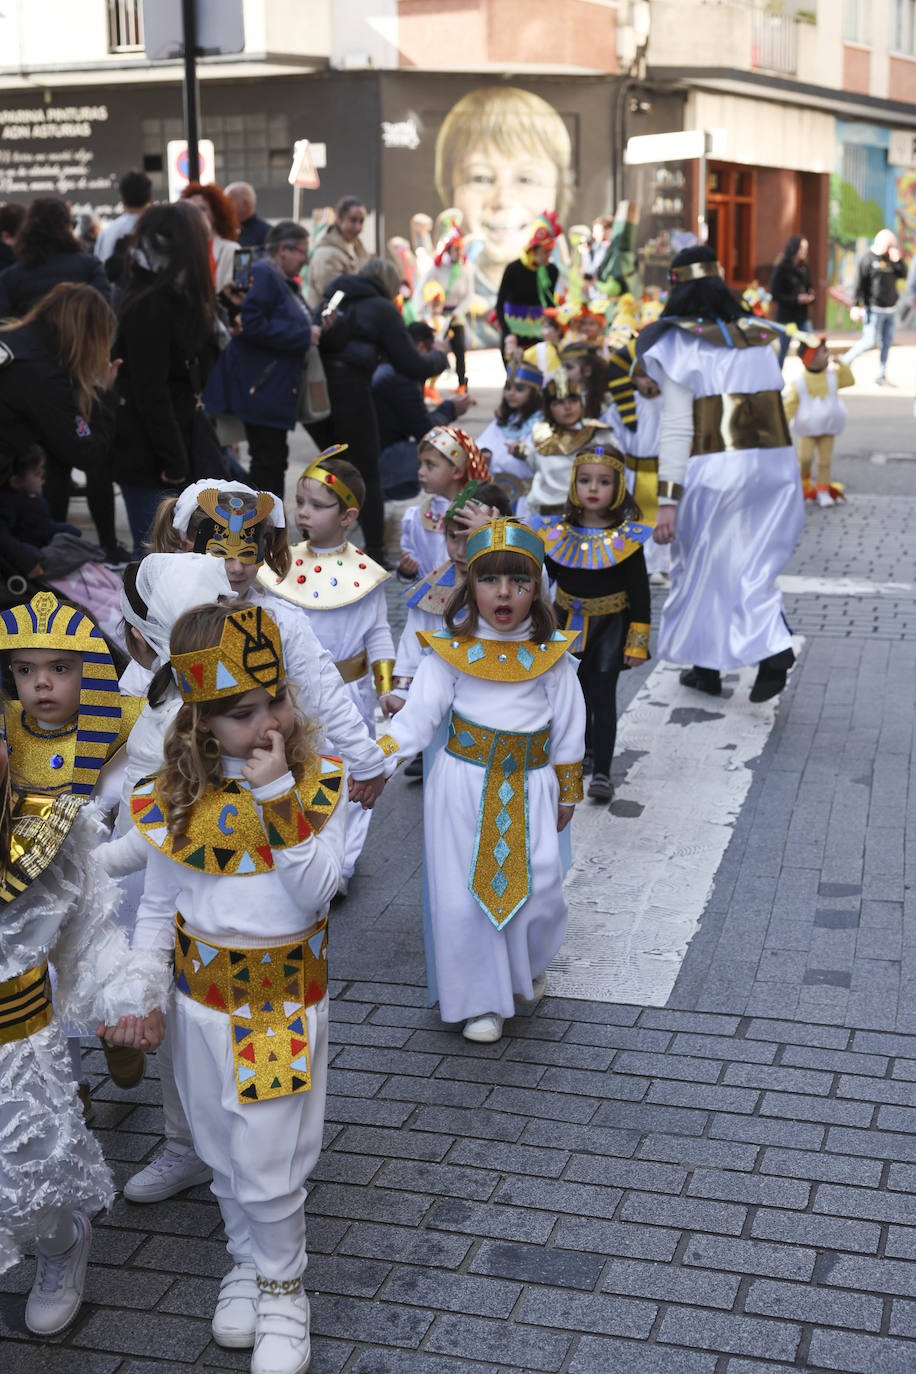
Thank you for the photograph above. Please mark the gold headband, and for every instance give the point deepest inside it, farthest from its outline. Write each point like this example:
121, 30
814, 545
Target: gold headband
603, 457
505, 534
330, 480
249, 655
694, 271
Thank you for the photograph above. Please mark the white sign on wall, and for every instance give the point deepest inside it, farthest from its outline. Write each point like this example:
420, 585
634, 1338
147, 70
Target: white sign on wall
901, 149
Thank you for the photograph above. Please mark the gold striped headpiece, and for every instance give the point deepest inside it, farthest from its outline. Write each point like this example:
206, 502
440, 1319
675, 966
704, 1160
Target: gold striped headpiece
46, 623
693, 271
505, 534
606, 457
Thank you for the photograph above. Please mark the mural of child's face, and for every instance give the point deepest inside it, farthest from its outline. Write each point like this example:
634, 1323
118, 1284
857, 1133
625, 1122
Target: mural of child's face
499, 196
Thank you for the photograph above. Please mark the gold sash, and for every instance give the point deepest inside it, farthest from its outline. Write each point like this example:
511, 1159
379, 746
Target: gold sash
592, 605
353, 668
739, 419
264, 992
25, 1004
500, 878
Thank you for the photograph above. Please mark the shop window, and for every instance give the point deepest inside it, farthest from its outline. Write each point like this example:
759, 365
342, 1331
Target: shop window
904, 39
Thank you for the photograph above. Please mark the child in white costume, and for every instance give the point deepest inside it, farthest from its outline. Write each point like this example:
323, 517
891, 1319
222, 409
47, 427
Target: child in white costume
246, 839
555, 441
341, 591
817, 416
449, 458
506, 439
205, 519
506, 780
58, 905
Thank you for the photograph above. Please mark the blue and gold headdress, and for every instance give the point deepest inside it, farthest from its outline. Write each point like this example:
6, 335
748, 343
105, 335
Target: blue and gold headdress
46, 623
249, 655
505, 534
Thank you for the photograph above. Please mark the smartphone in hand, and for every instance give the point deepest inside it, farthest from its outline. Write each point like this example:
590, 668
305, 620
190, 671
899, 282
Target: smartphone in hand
241, 269
333, 304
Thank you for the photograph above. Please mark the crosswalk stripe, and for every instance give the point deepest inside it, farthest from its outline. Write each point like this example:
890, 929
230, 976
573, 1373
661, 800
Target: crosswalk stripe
642, 873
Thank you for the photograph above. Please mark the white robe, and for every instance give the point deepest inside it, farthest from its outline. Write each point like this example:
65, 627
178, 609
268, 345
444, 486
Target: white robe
738, 521
262, 1153
641, 443
481, 968
344, 631
497, 437
48, 1159
425, 546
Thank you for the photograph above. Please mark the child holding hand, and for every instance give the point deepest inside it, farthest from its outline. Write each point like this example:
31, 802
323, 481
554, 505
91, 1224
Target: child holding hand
246, 836
503, 786
448, 459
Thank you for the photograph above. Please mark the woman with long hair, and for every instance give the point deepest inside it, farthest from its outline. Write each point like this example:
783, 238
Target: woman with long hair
729, 493
166, 338
56, 379
790, 287
222, 228
47, 252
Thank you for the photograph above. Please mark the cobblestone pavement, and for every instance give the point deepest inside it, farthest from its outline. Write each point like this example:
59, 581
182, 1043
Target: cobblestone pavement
724, 1185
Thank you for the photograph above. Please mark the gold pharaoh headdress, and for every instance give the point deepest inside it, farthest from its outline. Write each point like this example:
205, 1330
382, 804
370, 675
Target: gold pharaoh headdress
249, 655
505, 533
46, 623
693, 271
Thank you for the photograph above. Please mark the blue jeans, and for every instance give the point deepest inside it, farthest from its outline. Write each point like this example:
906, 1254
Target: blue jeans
141, 504
877, 332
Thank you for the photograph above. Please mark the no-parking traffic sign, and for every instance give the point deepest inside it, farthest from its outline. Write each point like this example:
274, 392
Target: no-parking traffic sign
177, 159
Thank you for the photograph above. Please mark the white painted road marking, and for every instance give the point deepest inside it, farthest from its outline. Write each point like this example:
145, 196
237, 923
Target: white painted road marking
639, 882
842, 586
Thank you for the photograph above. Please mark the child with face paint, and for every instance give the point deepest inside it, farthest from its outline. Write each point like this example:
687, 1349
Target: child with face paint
448, 459
594, 556
503, 786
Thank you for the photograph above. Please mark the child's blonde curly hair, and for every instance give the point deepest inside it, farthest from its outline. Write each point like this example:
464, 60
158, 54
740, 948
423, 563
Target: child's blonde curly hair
191, 763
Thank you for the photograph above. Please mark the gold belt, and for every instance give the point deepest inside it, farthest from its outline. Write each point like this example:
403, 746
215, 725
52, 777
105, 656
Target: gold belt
592, 605
739, 419
640, 464
352, 669
264, 992
25, 1004
500, 878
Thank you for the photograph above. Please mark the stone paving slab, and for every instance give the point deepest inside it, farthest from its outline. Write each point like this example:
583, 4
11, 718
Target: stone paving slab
735, 1198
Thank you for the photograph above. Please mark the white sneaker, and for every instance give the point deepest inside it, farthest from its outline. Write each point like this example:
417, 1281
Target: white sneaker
58, 1288
237, 1308
282, 1344
174, 1169
823, 497
484, 1030
538, 988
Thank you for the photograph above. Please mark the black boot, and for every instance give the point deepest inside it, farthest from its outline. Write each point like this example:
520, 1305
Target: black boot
706, 680
771, 675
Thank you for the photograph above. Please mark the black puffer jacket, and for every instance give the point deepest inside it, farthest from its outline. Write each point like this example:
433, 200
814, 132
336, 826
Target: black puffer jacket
38, 403
789, 281
369, 330
21, 287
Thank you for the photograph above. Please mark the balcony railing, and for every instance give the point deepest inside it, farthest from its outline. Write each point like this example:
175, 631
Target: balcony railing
125, 25
774, 42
